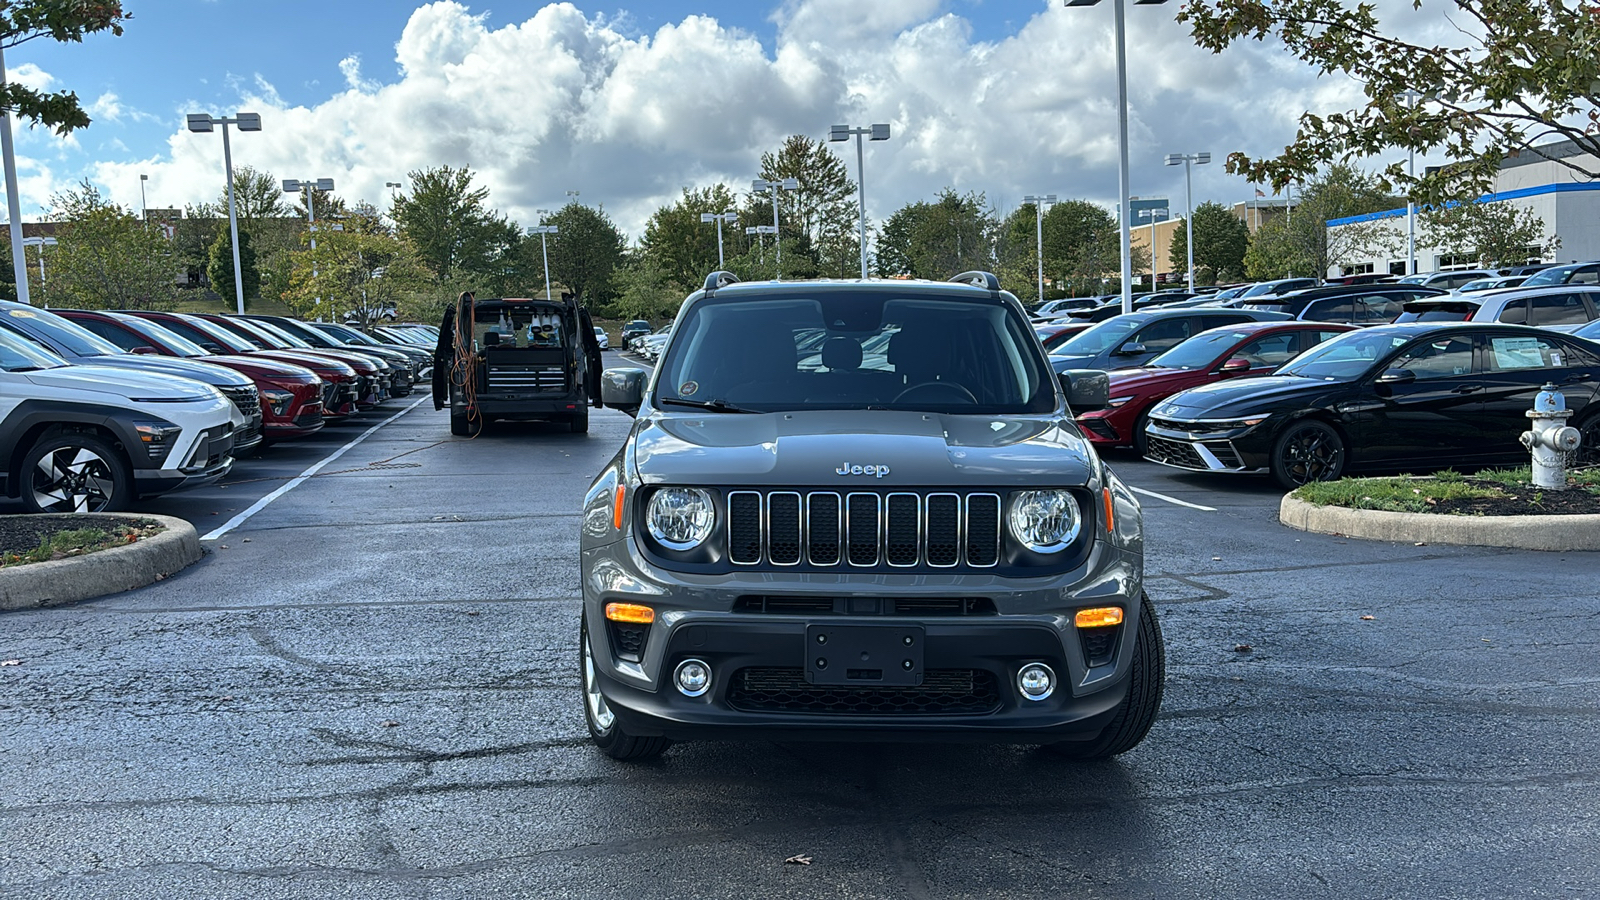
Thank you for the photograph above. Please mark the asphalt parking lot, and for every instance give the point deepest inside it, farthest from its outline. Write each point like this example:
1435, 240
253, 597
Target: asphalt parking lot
369, 689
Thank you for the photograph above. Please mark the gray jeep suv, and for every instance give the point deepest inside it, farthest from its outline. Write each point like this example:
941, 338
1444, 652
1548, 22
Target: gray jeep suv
861, 510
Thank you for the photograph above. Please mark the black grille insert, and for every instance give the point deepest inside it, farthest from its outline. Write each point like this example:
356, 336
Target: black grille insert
628, 640
1099, 644
866, 529
943, 692
983, 530
744, 527
861, 513
783, 524
822, 521
864, 606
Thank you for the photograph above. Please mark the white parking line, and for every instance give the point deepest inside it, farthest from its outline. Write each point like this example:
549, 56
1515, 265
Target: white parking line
294, 482
1171, 499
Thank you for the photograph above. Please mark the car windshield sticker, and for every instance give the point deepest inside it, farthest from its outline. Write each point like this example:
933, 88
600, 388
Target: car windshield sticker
1517, 353
688, 388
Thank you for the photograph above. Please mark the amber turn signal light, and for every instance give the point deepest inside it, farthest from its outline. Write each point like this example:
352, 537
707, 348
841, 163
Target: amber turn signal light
616, 509
634, 613
1111, 524
1098, 617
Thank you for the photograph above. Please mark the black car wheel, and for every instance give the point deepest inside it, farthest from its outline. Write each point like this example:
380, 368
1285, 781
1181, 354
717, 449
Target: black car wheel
464, 425
78, 473
604, 730
1138, 710
579, 421
1307, 451
1588, 452
1141, 441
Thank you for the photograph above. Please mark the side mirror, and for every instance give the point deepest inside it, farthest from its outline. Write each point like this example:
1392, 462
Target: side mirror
1235, 366
146, 351
1087, 389
1397, 376
622, 389
1134, 349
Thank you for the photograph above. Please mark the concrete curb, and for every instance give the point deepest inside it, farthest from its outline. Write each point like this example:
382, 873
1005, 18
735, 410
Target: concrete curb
104, 571
1517, 532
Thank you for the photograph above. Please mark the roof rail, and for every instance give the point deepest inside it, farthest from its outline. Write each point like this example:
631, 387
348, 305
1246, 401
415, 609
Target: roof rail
975, 278
720, 280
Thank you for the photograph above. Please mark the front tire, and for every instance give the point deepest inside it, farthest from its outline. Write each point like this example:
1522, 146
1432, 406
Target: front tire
604, 729
464, 425
1141, 441
1138, 710
1307, 451
579, 421
67, 473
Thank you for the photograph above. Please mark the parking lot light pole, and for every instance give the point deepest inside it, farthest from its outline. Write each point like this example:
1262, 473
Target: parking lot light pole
1411, 97
1038, 201
144, 209
759, 230
787, 184
1159, 214
1198, 159
544, 232
1122, 140
730, 216
202, 123
41, 243
876, 133
296, 186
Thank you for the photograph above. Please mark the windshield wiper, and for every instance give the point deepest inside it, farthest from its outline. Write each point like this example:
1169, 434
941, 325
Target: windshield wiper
714, 405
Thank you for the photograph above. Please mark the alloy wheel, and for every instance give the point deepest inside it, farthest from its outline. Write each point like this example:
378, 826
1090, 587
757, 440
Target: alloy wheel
73, 479
599, 712
1311, 454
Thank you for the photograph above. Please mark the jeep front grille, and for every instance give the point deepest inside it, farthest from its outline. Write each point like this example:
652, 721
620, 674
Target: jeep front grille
897, 529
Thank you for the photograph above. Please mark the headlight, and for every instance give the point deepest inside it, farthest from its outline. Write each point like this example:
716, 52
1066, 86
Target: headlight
680, 518
1045, 521
278, 401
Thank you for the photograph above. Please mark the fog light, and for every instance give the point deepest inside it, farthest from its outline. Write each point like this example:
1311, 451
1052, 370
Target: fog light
693, 677
1036, 681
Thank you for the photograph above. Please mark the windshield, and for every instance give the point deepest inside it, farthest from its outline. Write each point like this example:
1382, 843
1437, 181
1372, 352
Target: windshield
855, 350
297, 335
17, 354
162, 336
209, 335
348, 335
267, 335
1200, 351
1548, 276
1345, 358
1098, 338
78, 340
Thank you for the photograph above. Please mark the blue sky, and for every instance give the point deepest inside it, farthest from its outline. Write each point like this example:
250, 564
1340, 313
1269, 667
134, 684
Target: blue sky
631, 103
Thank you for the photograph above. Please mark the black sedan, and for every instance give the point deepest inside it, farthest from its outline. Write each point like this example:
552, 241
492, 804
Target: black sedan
1411, 397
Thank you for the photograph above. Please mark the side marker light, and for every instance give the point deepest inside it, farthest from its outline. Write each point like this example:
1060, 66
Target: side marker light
1098, 617
633, 613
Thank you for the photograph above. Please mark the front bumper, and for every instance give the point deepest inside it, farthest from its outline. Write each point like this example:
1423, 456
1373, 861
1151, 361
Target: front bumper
1200, 450
760, 684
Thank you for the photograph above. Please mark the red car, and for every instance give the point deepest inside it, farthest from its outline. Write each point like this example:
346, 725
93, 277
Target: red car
371, 375
340, 385
291, 395
1054, 334
1232, 351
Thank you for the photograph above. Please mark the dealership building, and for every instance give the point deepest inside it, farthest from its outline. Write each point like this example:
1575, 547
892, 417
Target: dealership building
1567, 201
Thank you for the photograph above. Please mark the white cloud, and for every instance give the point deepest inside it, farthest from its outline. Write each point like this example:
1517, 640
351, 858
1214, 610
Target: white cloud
565, 100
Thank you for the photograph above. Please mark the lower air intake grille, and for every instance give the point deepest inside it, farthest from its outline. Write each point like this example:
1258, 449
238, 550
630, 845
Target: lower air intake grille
943, 692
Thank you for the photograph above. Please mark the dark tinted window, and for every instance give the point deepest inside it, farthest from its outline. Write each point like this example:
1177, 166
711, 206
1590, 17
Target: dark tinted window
78, 340
1217, 320
1446, 357
1269, 352
1515, 312
1511, 353
1557, 309
1376, 309
1585, 275
1162, 335
112, 333
1337, 309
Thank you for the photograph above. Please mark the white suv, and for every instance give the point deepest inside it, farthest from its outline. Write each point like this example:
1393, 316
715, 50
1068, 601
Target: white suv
93, 439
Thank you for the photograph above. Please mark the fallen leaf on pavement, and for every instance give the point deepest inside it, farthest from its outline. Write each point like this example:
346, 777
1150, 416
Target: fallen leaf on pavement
389, 723
10, 662
1242, 648
1216, 559
799, 859
1366, 618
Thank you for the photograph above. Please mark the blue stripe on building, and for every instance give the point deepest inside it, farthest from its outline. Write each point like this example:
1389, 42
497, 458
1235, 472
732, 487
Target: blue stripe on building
1517, 194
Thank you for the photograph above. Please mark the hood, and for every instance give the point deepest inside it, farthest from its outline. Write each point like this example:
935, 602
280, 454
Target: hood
126, 384
1141, 380
365, 365
210, 373
894, 449
1240, 396
261, 367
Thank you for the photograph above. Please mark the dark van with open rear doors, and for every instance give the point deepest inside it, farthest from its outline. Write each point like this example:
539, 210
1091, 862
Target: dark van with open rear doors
515, 358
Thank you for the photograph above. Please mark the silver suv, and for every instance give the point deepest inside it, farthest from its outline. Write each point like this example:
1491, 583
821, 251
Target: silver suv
862, 510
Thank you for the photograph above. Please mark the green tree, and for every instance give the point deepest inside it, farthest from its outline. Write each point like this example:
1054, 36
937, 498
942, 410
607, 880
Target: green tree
1494, 234
893, 253
1516, 73
219, 267
1082, 246
355, 274
454, 232
821, 216
937, 240
61, 20
643, 290
105, 258
584, 252
682, 250
1220, 241
1300, 243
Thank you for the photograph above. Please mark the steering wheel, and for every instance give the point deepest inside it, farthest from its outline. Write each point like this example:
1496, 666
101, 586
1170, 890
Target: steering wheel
936, 392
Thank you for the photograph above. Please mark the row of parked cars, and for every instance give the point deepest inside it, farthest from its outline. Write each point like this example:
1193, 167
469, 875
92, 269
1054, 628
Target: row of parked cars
1313, 381
101, 408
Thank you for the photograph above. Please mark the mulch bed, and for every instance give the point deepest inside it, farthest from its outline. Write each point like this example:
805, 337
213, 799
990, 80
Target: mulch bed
1526, 500
19, 534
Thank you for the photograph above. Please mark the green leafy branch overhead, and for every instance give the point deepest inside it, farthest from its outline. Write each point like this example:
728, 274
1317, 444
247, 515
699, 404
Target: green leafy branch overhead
1522, 73
63, 20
